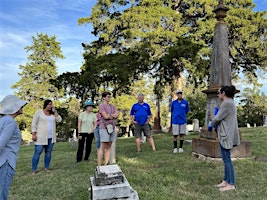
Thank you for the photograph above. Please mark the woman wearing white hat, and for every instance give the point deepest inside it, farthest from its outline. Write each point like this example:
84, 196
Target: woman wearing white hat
44, 133
10, 139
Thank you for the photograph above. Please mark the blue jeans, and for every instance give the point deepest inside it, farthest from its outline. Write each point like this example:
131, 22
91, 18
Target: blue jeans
38, 149
6, 176
229, 173
97, 137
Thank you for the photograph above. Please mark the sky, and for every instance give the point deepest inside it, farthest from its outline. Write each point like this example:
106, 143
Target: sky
22, 19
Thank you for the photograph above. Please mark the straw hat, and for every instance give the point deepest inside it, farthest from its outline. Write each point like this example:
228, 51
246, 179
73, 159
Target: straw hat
11, 104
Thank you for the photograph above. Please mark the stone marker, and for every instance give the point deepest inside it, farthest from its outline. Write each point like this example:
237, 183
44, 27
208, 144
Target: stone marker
196, 126
110, 183
265, 120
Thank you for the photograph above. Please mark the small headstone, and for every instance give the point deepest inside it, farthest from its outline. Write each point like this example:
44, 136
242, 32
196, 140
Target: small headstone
110, 183
143, 137
265, 120
196, 125
248, 125
189, 127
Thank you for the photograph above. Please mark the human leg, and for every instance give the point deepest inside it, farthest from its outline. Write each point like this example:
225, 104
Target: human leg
38, 149
97, 138
79, 155
48, 153
175, 132
138, 143
6, 176
137, 134
107, 152
100, 153
147, 133
229, 176
181, 143
89, 140
182, 131
104, 139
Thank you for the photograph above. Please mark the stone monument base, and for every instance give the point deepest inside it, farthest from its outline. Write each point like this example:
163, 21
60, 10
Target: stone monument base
211, 148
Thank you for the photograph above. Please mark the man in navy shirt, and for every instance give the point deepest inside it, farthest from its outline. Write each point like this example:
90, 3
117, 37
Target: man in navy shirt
140, 115
179, 109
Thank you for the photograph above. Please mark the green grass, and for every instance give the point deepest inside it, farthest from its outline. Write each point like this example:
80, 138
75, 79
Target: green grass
159, 175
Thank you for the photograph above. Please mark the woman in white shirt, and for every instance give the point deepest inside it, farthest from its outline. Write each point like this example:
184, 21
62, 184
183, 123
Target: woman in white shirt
44, 133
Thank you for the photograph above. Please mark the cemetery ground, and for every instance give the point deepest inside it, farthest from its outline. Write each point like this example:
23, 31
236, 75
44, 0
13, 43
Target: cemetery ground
159, 175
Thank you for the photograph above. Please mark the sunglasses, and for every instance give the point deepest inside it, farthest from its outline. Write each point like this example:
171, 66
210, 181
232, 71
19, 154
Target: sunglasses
179, 93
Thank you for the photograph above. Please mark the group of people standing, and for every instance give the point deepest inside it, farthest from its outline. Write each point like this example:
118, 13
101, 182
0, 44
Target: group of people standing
101, 126
92, 125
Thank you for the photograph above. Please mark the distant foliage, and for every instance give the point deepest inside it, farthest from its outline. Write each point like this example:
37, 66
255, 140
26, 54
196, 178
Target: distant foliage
34, 85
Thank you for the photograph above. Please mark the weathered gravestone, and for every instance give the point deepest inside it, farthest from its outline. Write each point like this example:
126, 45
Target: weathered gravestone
265, 120
196, 125
110, 183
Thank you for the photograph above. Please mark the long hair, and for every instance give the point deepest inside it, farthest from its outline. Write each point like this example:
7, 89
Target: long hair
46, 102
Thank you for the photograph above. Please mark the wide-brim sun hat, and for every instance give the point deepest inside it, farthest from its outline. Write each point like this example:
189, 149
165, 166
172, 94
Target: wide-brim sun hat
89, 103
11, 104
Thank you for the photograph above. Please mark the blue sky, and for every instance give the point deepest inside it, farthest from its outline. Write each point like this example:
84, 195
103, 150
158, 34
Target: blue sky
22, 19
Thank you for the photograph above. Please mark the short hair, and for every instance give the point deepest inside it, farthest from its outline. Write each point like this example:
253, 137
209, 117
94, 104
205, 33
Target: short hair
104, 94
141, 95
228, 90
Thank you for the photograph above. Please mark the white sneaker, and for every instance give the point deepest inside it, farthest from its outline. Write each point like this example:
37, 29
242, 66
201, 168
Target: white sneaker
175, 150
181, 150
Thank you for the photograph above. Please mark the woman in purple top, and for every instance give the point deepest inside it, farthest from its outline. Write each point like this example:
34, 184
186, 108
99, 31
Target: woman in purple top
108, 114
10, 139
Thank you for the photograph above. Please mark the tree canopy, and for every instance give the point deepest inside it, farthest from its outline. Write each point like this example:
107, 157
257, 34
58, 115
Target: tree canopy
157, 31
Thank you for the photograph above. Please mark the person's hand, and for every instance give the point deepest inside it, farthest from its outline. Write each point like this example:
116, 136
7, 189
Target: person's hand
135, 122
53, 109
34, 137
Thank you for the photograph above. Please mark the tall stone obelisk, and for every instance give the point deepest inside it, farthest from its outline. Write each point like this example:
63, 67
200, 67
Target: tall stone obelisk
220, 75
220, 71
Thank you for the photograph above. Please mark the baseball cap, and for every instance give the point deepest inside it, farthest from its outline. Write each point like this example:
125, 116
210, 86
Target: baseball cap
179, 91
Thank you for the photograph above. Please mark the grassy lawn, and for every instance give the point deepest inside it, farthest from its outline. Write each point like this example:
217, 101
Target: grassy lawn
159, 175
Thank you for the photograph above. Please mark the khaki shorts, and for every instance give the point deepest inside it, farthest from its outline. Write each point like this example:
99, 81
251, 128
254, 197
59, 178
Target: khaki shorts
178, 129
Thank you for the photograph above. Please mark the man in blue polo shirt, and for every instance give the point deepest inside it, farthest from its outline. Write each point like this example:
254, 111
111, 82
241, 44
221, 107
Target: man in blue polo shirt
179, 109
140, 115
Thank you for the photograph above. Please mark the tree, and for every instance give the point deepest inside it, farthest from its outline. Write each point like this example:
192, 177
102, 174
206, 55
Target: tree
36, 75
155, 27
252, 106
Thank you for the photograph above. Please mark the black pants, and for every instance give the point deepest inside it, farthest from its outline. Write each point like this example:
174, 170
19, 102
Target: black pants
88, 138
